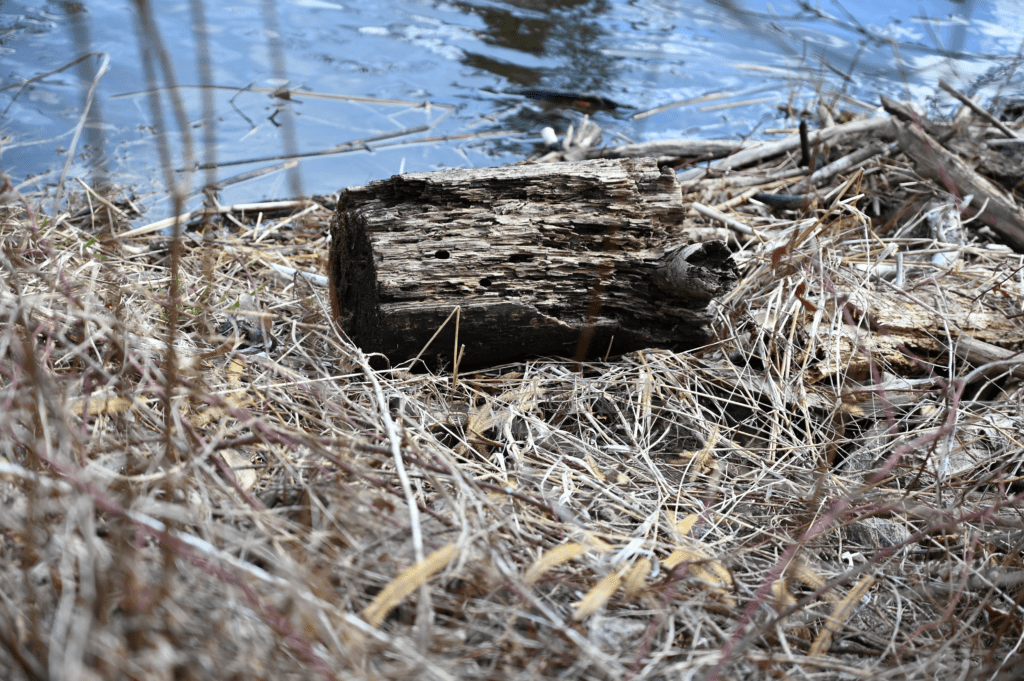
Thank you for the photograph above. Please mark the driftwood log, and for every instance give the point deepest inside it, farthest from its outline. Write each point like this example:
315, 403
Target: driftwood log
567, 259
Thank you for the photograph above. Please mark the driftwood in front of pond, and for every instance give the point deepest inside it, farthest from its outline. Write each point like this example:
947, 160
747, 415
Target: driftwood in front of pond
555, 259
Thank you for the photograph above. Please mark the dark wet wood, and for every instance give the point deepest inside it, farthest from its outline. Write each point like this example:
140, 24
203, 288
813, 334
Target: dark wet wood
534, 255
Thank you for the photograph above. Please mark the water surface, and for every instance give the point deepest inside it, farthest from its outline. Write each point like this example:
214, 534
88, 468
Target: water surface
432, 84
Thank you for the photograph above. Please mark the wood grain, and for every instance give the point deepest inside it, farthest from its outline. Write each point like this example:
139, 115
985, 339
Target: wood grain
534, 255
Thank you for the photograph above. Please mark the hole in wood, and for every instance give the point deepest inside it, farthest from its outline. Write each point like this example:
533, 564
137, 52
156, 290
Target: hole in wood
589, 228
385, 234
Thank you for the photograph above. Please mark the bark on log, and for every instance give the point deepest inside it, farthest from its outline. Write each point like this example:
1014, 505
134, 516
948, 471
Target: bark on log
536, 257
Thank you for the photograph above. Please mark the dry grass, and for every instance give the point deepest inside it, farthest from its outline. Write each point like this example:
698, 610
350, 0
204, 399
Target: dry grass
814, 496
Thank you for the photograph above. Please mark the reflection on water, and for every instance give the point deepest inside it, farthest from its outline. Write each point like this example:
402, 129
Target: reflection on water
449, 73
568, 37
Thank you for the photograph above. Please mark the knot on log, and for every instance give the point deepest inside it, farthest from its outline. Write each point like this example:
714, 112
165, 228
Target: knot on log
698, 272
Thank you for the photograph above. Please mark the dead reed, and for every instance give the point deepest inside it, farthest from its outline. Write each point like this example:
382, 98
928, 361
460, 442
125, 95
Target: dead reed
217, 484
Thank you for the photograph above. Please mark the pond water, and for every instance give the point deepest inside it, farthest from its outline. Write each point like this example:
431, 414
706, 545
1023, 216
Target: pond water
380, 88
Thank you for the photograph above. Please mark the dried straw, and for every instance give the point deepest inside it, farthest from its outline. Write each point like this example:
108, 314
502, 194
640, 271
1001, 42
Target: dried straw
830, 490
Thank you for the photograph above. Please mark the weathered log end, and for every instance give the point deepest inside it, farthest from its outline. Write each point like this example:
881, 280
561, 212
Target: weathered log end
353, 279
699, 272
532, 255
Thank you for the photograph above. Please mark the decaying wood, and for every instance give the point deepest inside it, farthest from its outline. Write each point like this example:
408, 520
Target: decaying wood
771, 149
582, 143
668, 150
1009, 132
980, 353
967, 142
997, 208
533, 255
898, 330
939, 130
844, 165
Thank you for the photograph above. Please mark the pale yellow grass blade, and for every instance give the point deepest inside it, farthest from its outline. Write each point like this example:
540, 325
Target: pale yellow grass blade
98, 404
840, 613
711, 572
407, 582
552, 558
636, 578
598, 595
812, 579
